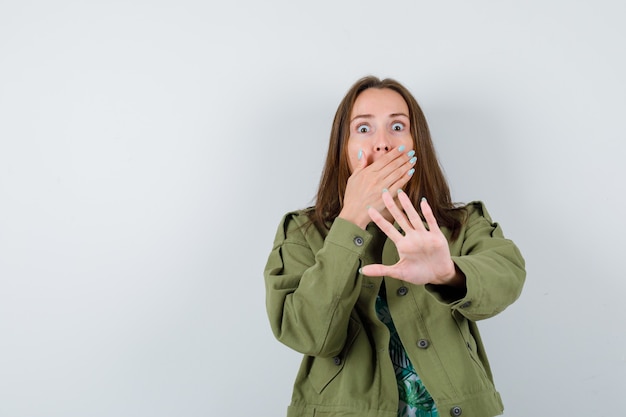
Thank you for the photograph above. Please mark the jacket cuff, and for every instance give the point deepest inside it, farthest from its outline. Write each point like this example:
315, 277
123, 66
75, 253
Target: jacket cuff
454, 297
349, 236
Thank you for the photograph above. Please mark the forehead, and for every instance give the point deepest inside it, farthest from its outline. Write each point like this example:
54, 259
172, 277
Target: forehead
379, 101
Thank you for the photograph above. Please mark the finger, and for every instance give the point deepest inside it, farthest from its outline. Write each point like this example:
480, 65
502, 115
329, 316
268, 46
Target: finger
391, 160
402, 179
428, 215
398, 174
376, 270
384, 225
380, 270
395, 211
412, 214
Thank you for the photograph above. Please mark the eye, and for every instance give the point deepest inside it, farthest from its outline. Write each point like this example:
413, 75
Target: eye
363, 128
397, 127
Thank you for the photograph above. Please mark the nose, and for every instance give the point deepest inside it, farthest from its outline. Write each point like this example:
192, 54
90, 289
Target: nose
382, 143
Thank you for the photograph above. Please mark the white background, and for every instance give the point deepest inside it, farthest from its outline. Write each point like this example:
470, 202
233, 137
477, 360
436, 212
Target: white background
149, 148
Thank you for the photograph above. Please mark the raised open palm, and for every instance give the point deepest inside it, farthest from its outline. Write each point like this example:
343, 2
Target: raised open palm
423, 251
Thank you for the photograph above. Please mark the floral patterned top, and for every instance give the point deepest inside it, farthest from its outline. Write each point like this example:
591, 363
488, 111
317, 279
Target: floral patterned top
415, 401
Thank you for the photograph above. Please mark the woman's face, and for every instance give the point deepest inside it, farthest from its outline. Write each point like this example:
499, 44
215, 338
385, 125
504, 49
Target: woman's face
379, 122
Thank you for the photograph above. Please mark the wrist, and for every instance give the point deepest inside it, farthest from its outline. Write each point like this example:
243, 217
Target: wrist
361, 221
456, 278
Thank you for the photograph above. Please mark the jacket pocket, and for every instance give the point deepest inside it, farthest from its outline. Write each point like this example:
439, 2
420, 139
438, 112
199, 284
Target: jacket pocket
324, 370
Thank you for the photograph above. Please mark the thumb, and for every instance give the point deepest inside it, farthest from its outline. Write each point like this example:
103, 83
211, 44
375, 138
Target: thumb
375, 270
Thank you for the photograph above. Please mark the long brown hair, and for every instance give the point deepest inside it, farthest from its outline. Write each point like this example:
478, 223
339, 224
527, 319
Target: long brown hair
427, 181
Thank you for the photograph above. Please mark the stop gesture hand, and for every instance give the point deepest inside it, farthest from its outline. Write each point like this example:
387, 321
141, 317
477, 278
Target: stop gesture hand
423, 251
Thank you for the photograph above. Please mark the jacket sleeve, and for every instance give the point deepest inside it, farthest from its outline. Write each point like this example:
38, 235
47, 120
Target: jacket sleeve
493, 266
312, 284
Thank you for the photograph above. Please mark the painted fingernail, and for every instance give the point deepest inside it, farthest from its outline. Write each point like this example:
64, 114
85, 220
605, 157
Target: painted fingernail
385, 190
401, 148
360, 270
410, 153
360, 154
399, 190
423, 199
411, 171
413, 159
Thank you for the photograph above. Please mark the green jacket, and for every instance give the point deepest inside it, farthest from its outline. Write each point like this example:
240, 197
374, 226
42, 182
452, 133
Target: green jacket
319, 305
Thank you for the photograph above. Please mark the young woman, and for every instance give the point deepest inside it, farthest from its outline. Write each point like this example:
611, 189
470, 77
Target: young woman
380, 284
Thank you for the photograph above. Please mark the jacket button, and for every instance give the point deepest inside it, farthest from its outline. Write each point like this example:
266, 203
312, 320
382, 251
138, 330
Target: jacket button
456, 411
337, 360
466, 304
358, 240
422, 343
402, 291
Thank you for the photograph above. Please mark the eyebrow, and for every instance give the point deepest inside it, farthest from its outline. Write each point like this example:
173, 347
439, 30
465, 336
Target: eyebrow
369, 116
